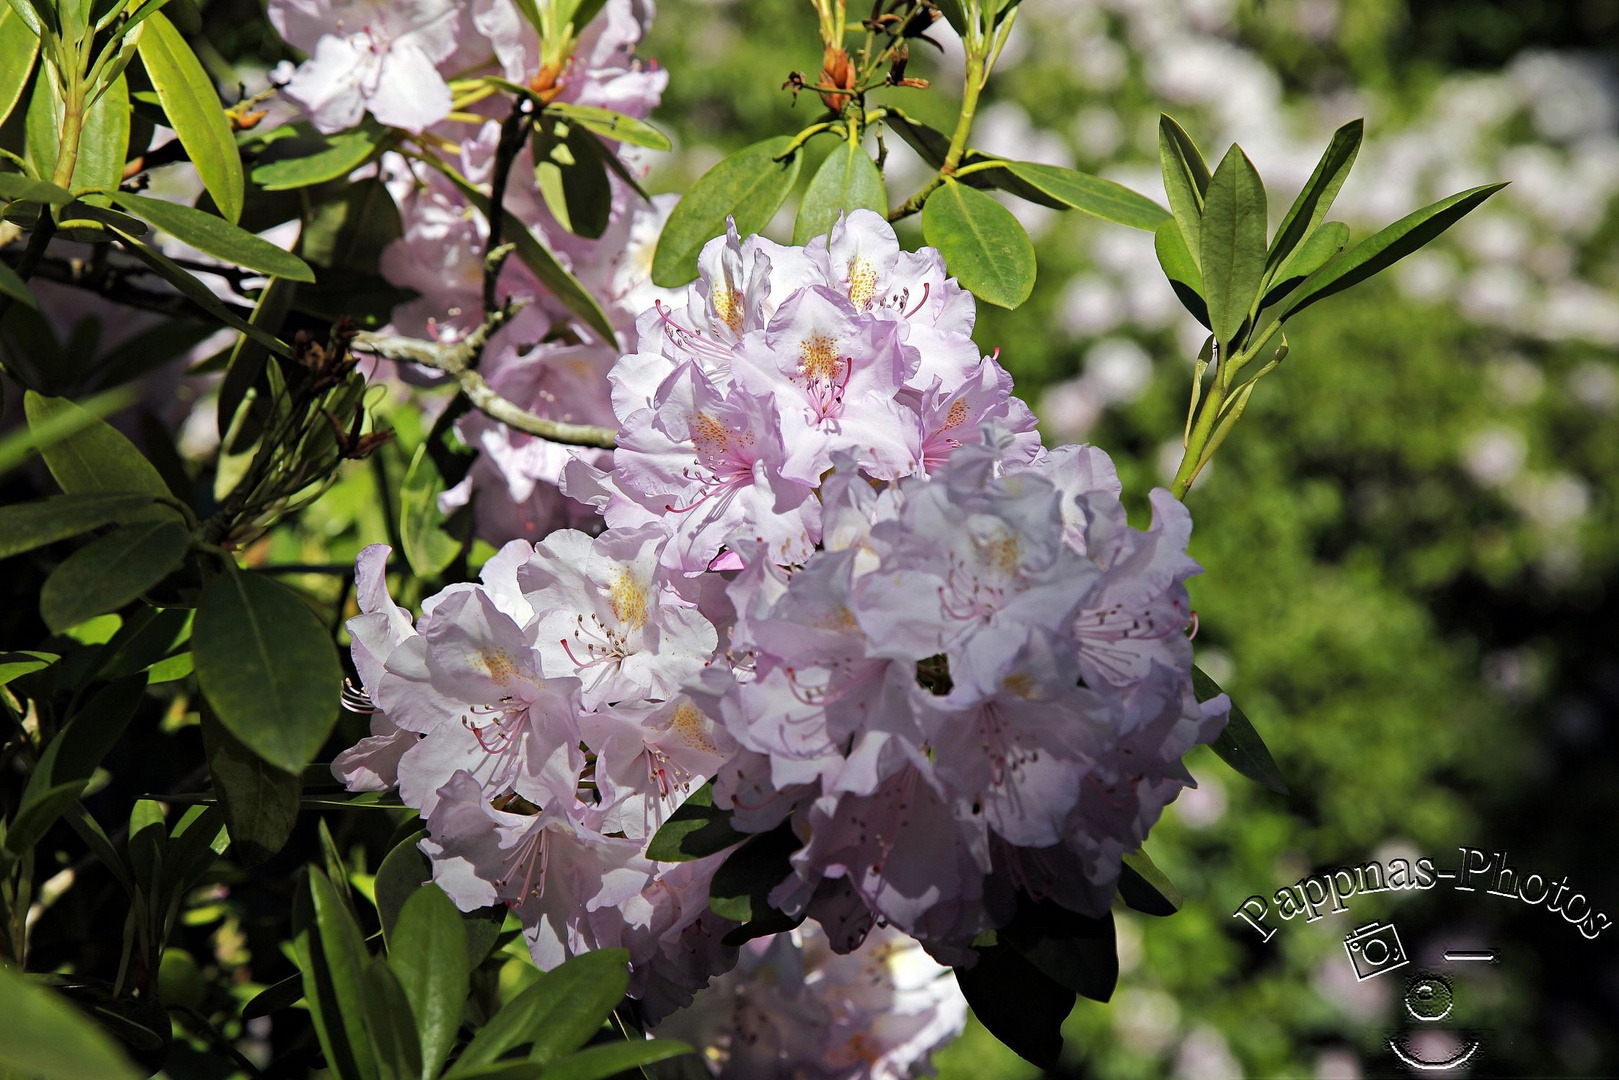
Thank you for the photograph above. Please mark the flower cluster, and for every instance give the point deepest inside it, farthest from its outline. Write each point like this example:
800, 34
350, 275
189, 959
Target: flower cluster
842, 577
793, 1007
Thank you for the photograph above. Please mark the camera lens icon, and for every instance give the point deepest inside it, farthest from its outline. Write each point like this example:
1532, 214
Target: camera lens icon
1374, 949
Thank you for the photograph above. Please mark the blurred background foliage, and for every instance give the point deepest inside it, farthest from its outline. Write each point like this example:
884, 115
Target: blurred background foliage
1411, 544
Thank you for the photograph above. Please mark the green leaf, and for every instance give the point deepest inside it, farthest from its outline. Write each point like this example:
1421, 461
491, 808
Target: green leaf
217, 237
1307, 258
112, 570
1019, 1004
1233, 244
1146, 888
333, 958
14, 665
46, 1038
1092, 194
267, 666
1074, 950
612, 125
392, 1024
749, 186
32, 13
1310, 208
15, 287
194, 111
428, 950
1186, 179
612, 1059
571, 170
102, 143
847, 180
1239, 745
328, 157
954, 14
245, 369
983, 245
1387, 247
541, 263
25, 526
259, 801
430, 544
697, 828
740, 889
350, 231
96, 457
200, 294
564, 1007
27, 189
403, 873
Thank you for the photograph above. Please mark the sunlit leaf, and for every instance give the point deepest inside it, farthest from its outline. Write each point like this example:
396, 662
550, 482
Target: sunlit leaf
1232, 256
428, 951
846, 181
333, 957
696, 828
323, 157
749, 186
562, 1009
1146, 888
984, 246
1310, 208
1186, 179
217, 237
612, 125
1091, 194
194, 111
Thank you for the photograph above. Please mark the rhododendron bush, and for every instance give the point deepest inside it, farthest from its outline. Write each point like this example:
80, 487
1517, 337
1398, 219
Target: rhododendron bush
732, 649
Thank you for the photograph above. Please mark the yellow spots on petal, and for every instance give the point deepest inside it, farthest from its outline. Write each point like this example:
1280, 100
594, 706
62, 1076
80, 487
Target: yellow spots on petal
691, 725
818, 358
709, 434
502, 669
862, 281
1003, 552
1020, 684
839, 618
728, 305
957, 414
628, 598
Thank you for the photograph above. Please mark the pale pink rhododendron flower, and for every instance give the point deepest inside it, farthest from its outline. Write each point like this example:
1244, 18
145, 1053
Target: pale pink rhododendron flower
796, 1008
841, 577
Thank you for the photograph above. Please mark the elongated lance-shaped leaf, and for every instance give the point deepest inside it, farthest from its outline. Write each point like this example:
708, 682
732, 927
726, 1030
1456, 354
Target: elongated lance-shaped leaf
111, 571
1181, 269
1146, 888
983, 244
1021, 1005
428, 951
217, 237
1233, 243
1387, 247
748, 186
563, 1008
1186, 179
49, 1039
1319, 247
103, 140
1310, 208
614, 1059
96, 457
612, 125
1239, 745
1090, 194
330, 157
333, 957
846, 181
18, 186
19, 43
194, 111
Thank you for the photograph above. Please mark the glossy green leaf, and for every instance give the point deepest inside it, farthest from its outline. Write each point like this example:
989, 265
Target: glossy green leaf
847, 180
1186, 180
46, 1038
696, 828
96, 457
103, 141
612, 1059
563, 1008
983, 244
111, 571
1239, 745
245, 369
570, 169
333, 958
741, 887
267, 666
749, 186
25, 526
403, 873
1387, 247
1310, 208
1310, 256
200, 294
26, 188
1092, 194
428, 951
16, 664
392, 1024
33, 13
328, 157
194, 111
612, 125
955, 13
541, 263
349, 230
1019, 1004
217, 237
1146, 888
430, 546
1232, 257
